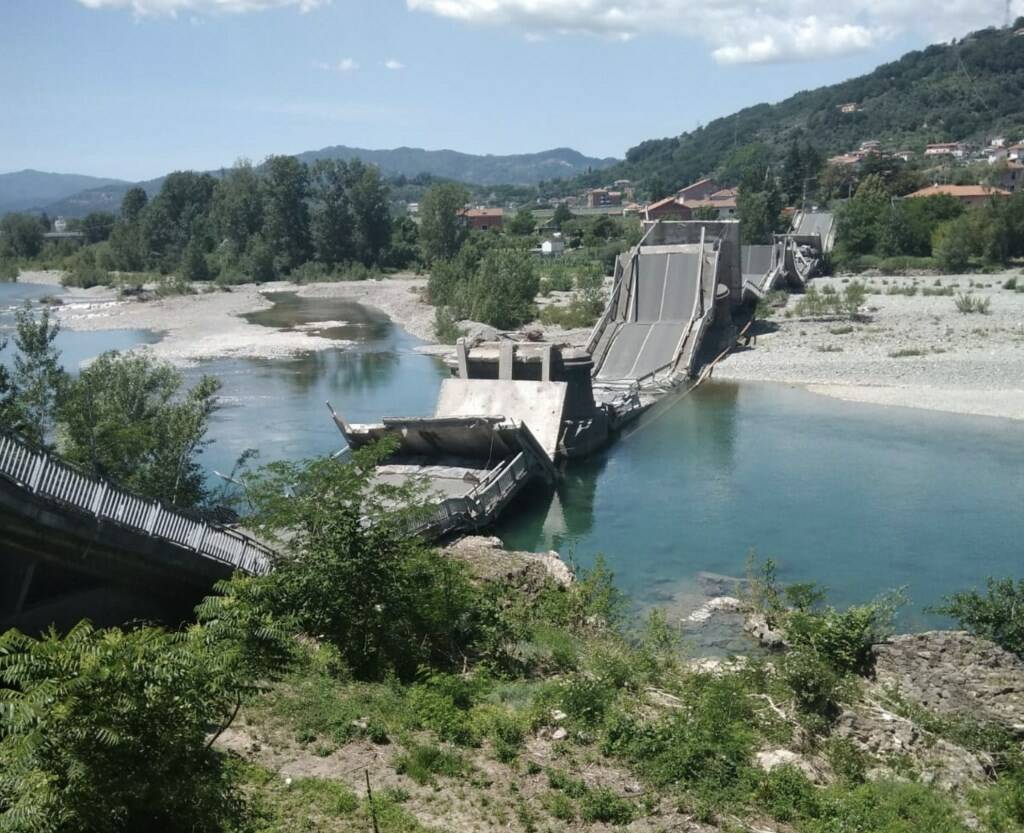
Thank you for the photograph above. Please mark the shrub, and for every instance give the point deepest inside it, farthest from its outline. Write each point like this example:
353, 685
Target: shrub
560, 806
603, 805
1011, 283
886, 807
907, 352
998, 615
585, 699
446, 328
423, 762
787, 795
8, 269
967, 304
815, 684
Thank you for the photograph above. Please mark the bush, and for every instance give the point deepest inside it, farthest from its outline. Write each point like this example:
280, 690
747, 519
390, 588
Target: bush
886, 807
967, 304
84, 272
815, 684
8, 269
423, 762
446, 328
998, 615
603, 805
787, 795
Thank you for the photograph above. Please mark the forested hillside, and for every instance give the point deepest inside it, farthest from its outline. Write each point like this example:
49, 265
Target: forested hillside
970, 89
28, 190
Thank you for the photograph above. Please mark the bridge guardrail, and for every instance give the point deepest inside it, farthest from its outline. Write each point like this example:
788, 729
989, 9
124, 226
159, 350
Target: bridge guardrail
43, 475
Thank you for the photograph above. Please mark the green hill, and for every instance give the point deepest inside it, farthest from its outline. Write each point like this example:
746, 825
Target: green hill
971, 89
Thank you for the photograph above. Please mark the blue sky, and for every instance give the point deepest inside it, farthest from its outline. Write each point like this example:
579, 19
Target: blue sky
135, 88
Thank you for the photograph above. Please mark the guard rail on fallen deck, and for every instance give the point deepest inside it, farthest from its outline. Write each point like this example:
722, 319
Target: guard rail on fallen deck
45, 476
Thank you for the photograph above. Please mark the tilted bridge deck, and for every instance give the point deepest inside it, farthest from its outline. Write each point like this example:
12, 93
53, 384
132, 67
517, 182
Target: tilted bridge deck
43, 476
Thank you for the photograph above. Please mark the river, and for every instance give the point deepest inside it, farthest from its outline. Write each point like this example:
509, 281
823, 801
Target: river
862, 499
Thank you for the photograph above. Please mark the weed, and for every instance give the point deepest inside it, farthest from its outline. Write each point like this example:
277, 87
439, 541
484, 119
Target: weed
604, 805
967, 304
842, 330
560, 806
423, 762
829, 348
907, 352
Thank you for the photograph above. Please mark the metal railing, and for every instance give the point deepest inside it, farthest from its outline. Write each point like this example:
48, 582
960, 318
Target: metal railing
43, 475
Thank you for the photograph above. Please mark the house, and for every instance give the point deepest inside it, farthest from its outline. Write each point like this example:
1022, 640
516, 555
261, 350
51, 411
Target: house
625, 186
871, 146
997, 154
723, 201
905, 155
601, 197
1011, 177
849, 107
967, 194
552, 246
1015, 152
954, 149
670, 208
700, 190
484, 219
846, 160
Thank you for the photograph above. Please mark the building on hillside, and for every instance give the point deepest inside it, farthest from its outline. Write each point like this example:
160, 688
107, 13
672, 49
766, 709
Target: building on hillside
700, 190
967, 194
670, 208
60, 225
957, 150
846, 160
1011, 177
626, 187
484, 219
998, 154
413, 208
603, 197
871, 146
905, 155
722, 201
849, 107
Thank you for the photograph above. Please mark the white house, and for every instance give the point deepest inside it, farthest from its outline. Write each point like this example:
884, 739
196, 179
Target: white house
553, 246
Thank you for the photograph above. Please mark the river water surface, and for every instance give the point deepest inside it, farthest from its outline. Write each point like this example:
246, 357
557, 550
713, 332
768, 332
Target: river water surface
860, 498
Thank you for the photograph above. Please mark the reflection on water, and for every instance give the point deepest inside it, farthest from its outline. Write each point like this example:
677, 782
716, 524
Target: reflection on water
860, 498
335, 318
278, 406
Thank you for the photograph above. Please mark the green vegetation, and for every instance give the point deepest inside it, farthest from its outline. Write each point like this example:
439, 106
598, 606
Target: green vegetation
968, 304
829, 303
998, 615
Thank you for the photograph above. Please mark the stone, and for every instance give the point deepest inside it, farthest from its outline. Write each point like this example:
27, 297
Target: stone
559, 734
769, 759
727, 604
757, 626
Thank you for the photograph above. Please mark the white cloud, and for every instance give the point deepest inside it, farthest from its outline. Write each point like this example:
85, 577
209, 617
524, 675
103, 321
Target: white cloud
392, 64
171, 8
737, 31
344, 65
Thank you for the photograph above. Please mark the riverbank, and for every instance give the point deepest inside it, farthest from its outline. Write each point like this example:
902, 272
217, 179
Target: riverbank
907, 350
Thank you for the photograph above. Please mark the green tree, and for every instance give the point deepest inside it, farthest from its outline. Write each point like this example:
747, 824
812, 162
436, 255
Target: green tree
237, 210
194, 266
286, 227
369, 194
748, 167
353, 573
403, 250
333, 226
760, 213
106, 730
97, 226
126, 417
997, 615
133, 203
167, 223
126, 245
441, 230
561, 216
522, 223
953, 244
21, 235
37, 381
502, 290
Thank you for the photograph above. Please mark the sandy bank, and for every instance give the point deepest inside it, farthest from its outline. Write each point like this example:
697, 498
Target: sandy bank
209, 325
912, 351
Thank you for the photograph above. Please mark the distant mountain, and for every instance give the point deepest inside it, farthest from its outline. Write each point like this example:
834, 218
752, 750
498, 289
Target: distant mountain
30, 190
100, 198
970, 89
518, 169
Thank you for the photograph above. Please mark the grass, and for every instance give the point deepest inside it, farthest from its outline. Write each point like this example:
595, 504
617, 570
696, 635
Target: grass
422, 762
829, 348
907, 352
969, 304
841, 330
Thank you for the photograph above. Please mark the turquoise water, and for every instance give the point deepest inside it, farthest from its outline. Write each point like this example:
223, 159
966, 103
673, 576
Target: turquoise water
859, 498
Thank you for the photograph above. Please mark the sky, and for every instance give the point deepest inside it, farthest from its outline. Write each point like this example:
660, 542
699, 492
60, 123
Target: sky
136, 88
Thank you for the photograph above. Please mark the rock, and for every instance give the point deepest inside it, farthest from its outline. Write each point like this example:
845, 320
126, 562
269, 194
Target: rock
769, 759
477, 333
559, 734
952, 672
557, 715
728, 604
490, 561
757, 626
716, 665
889, 737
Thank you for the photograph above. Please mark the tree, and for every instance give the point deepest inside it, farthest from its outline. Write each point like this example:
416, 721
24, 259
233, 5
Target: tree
953, 243
133, 203
126, 245
441, 231
998, 615
522, 223
285, 188
369, 195
502, 290
561, 216
38, 381
97, 226
333, 226
237, 210
352, 572
759, 213
127, 418
21, 235
748, 167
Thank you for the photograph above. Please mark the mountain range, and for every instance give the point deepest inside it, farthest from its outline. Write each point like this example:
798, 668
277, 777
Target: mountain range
71, 195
